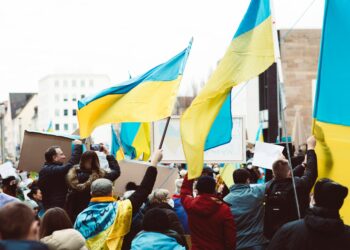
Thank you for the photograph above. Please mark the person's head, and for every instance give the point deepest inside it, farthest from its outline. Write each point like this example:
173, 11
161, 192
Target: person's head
159, 196
18, 222
35, 194
280, 169
241, 176
54, 154
101, 187
89, 161
9, 186
155, 220
329, 194
54, 219
208, 171
206, 185
130, 186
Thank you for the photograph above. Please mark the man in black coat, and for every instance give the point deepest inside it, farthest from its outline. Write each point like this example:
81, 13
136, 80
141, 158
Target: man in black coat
52, 182
322, 227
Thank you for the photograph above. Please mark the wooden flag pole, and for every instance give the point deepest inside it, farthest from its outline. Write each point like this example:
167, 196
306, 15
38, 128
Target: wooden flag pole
164, 133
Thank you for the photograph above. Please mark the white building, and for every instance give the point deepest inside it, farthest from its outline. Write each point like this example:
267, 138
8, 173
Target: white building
58, 96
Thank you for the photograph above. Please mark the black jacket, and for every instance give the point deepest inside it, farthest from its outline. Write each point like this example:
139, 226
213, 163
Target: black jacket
79, 183
304, 181
321, 229
52, 180
22, 245
138, 198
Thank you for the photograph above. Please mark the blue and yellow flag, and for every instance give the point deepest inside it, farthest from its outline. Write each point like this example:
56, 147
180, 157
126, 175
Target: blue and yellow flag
136, 139
116, 149
250, 53
50, 128
145, 98
332, 102
259, 134
104, 223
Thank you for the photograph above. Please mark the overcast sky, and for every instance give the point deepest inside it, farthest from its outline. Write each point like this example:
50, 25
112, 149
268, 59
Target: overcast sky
112, 37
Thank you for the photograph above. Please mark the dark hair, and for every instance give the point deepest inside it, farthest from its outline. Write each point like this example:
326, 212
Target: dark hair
240, 176
280, 169
130, 186
54, 219
16, 219
90, 155
50, 153
329, 194
34, 190
8, 188
206, 185
155, 220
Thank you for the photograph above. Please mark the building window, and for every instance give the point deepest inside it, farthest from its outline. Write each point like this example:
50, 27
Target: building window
57, 98
57, 127
65, 83
74, 98
57, 83
65, 126
74, 83
91, 83
82, 83
65, 98
75, 126
57, 112
74, 112
65, 112
82, 96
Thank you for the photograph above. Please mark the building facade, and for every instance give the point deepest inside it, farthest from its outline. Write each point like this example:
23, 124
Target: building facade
58, 96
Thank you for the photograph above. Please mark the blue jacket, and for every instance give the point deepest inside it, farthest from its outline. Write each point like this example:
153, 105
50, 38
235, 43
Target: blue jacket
153, 240
181, 213
247, 207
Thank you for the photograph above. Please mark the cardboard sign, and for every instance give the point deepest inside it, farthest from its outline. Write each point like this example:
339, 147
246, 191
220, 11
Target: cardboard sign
135, 170
32, 156
265, 154
7, 170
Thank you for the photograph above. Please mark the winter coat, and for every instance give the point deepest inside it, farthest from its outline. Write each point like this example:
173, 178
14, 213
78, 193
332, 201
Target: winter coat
303, 185
181, 213
210, 220
65, 239
247, 207
52, 180
5, 198
22, 245
154, 240
321, 229
79, 183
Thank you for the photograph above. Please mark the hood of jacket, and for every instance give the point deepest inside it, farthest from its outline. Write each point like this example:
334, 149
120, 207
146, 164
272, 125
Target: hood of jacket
80, 181
206, 204
324, 221
65, 239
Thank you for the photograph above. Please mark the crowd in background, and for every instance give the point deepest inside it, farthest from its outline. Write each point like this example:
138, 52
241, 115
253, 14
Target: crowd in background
72, 206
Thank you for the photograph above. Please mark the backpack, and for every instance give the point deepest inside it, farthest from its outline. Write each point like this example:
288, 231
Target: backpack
280, 206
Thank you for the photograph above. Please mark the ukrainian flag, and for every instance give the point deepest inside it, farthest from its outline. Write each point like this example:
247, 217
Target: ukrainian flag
250, 53
145, 98
50, 128
136, 139
116, 149
104, 223
332, 100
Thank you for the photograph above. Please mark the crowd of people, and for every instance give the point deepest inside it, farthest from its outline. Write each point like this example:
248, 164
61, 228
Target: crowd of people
73, 206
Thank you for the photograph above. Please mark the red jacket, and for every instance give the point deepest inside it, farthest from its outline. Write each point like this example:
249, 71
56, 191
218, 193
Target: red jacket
210, 220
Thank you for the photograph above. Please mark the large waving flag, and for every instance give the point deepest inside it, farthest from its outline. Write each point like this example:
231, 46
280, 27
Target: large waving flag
332, 102
136, 139
145, 98
250, 53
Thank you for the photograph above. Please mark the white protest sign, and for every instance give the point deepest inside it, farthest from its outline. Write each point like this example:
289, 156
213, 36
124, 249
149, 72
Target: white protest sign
265, 154
7, 170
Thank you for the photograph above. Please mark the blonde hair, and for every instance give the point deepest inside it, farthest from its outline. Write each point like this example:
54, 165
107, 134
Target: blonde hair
158, 196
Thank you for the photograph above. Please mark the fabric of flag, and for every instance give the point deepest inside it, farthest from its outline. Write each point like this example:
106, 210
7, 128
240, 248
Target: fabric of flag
250, 53
259, 133
104, 223
146, 98
116, 149
136, 139
331, 112
50, 128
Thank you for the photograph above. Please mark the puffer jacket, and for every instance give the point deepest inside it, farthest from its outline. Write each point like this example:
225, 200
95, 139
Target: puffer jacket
65, 239
321, 229
52, 180
79, 183
210, 220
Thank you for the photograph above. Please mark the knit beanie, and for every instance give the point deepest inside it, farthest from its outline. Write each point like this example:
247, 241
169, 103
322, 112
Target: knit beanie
155, 220
329, 194
206, 184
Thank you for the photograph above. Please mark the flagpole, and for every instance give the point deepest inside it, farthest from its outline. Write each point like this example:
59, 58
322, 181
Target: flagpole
164, 133
281, 97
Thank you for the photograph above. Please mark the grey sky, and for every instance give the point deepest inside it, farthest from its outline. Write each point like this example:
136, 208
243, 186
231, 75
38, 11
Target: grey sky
41, 37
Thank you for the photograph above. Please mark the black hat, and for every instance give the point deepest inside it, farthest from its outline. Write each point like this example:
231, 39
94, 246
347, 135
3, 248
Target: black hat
329, 194
206, 184
155, 220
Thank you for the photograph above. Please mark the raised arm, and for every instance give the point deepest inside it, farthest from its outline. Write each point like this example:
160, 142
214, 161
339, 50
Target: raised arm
311, 173
113, 165
186, 192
